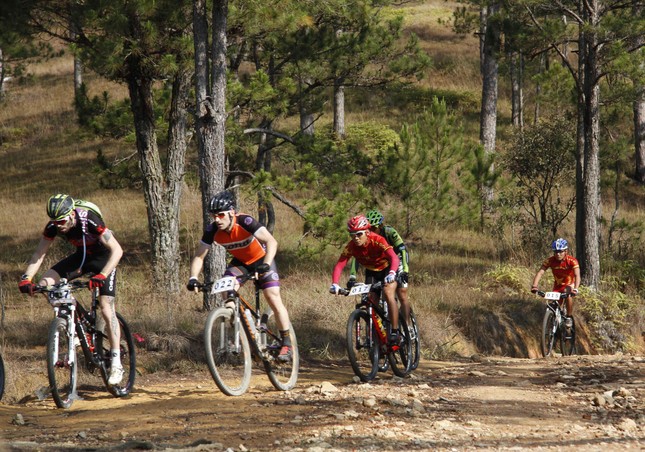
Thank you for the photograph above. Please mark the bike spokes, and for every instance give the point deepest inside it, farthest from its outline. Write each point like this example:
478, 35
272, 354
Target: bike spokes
362, 347
61, 364
282, 371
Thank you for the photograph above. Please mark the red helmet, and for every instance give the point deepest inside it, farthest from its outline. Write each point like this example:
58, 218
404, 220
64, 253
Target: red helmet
358, 223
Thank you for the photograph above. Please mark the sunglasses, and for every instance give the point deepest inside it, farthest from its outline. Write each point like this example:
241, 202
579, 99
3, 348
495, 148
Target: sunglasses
357, 234
220, 215
61, 222
559, 252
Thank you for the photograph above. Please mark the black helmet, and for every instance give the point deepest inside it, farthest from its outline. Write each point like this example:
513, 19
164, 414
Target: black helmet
222, 202
59, 206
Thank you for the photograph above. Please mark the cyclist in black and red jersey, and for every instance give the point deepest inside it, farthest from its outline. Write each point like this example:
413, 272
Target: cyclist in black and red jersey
393, 238
97, 252
380, 262
253, 249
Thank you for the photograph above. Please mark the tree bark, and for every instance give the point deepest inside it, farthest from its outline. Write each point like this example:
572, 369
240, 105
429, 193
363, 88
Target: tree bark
639, 109
488, 116
211, 119
590, 265
517, 93
339, 109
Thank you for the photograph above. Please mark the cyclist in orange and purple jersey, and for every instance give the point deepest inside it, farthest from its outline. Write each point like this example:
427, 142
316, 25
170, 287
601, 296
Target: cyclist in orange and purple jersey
565, 269
380, 262
253, 249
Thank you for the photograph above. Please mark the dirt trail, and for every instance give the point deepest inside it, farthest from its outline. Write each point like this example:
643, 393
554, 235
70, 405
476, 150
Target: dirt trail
588, 403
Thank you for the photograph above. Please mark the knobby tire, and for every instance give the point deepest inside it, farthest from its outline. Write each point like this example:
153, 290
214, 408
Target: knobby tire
362, 345
2, 377
61, 371
549, 333
568, 344
283, 375
414, 341
401, 359
230, 367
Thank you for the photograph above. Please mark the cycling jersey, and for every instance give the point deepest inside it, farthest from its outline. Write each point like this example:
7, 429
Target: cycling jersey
375, 255
84, 235
563, 271
241, 241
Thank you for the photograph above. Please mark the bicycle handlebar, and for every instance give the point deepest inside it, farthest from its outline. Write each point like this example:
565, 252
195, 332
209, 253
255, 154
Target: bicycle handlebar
71, 285
563, 295
240, 279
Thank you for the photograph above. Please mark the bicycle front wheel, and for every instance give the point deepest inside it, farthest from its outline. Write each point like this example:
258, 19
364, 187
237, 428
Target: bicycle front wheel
549, 329
362, 346
128, 359
61, 364
401, 359
227, 352
282, 374
568, 340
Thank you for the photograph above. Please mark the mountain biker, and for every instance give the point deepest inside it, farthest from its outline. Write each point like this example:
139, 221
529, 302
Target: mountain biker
566, 274
380, 261
394, 239
97, 253
253, 249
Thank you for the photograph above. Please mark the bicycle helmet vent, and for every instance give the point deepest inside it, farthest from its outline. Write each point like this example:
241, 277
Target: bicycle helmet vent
375, 218
560, 245
358, 223
59, 206
222, 202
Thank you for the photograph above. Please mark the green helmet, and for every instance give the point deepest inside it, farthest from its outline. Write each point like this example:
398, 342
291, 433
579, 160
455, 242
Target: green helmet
375, 218
59, 206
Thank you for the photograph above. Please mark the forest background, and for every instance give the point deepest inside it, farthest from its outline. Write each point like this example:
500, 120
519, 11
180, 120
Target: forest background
472, 126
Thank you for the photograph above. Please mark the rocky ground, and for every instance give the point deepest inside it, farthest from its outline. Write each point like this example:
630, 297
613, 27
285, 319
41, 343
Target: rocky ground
488, 403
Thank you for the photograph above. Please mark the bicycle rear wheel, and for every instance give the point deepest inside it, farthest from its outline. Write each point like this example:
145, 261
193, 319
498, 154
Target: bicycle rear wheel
128, 359
283, 375
228, 355
401, 359
62, 365
413, 336
362, 346
568, 340
549, 330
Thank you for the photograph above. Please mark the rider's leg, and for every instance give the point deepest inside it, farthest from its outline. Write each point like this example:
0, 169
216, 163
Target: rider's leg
402, 295
389, 291
272, 296
49, 278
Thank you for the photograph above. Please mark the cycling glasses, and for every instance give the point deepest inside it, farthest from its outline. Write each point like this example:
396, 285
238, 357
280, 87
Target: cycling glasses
219, 215
61, 222
357, 233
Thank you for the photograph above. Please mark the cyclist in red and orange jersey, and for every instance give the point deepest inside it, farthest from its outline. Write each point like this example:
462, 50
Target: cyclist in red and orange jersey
380, 262
566, 271
253, 249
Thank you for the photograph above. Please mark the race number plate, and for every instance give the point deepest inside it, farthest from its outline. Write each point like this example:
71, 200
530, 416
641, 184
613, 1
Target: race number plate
552, 295
359, 289
224, 284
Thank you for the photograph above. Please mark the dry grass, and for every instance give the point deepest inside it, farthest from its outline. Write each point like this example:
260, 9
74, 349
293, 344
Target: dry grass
42, 152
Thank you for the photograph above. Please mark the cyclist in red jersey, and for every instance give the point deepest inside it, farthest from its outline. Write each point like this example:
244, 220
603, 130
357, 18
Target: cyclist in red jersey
97, 252
380, 262
253, 249
566, 271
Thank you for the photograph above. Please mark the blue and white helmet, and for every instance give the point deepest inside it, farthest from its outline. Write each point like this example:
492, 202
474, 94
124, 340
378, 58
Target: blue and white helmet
560, 245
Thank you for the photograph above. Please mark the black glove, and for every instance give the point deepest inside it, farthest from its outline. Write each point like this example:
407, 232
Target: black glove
351, 282
193, 283
263, 268
534, 289
403, 277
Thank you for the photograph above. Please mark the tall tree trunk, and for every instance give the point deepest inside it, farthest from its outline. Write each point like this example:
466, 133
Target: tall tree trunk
639, 108
488, 116
210, 122
339, 109
517, 94
161, 215
78, 65
590, 266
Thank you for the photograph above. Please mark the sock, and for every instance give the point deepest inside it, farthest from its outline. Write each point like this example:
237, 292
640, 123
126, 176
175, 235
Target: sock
286, 339
116, 357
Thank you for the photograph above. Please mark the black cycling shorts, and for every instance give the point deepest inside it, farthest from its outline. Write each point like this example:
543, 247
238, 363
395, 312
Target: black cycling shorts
94, 263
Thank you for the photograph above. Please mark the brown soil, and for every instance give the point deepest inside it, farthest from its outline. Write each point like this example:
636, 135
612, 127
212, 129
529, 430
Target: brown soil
586, 403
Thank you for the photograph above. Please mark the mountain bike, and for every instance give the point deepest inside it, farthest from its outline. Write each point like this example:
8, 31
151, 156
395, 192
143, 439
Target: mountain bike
75, 326
236, 333
368, 330
554, 327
